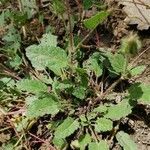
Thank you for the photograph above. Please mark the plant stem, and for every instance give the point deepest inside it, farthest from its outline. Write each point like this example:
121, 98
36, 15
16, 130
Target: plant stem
101, 97
84, 39
71, 40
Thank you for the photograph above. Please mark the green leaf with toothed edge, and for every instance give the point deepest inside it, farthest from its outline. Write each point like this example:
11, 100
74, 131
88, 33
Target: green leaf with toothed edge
31, 86
125, 141
68, 127
95, 20
122, 109
40, 106
103, 125
102, 145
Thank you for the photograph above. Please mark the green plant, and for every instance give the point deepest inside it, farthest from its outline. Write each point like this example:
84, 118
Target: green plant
61, 85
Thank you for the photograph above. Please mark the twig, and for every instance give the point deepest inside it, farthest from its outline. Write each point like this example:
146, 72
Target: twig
139, 56
84, 39
43, 141
107, 91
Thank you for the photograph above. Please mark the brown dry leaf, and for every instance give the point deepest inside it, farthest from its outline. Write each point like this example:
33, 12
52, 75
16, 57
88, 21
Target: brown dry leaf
138, 12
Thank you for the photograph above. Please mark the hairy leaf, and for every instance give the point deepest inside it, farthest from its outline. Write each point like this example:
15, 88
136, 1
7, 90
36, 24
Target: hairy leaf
137, 70
68, 127
60, 143
102, 145
140, 92
103, 125
100, 109
49, 40
94, 64
125, 141
37, 107
43, 56
84, 141
95, 20
79, 92
117, 62
31, 86
116, 112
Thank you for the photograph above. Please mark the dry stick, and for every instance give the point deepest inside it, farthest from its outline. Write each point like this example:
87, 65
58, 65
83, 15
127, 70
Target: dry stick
84, 39
43, 141
139, 56
108, 90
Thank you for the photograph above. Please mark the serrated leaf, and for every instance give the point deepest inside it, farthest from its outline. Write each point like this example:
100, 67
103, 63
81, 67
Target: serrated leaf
37, 107
84, 141
29, 7
137, 70
117, 62
125, 141
100, 109
102, 145
68, 127
140, 92
87, 4
103, 125
31, 86
12, 35
94, 64
79, 92
16, 62
49, 40
62, 85
116, 112
60, 143
43, 56
95, 20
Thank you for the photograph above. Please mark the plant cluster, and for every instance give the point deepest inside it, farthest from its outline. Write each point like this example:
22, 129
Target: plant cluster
76, 92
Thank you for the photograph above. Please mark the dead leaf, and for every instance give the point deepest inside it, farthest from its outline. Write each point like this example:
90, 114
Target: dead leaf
138, 12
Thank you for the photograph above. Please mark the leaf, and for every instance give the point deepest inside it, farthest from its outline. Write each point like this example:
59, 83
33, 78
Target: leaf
102, 145
16, 62
87, 4
68, 127
29, 7
140, 92
103, 125
137, 13
62, 85
2, 20
116, 112
31, 86
84, 140
95, 20
100, 109
125, 141
49, 40
94, 64
58, 7
137, 70
37, 107
79, 92
117, 62
12, 35
60, 143
43, 56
